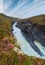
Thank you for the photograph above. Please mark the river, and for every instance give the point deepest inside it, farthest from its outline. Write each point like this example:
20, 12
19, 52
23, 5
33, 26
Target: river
26, 46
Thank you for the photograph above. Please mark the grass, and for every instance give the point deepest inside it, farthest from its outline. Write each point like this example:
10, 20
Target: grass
38, 20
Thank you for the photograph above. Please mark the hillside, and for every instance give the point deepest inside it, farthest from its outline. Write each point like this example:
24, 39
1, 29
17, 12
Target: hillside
7, 42
6, 25
39, 20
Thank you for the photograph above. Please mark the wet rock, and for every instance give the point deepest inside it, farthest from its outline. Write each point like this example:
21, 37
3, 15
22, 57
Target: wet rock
34, 31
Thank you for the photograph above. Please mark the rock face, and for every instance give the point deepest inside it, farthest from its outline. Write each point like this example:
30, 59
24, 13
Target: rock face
25, 26
35, 31
31, 33
28, 27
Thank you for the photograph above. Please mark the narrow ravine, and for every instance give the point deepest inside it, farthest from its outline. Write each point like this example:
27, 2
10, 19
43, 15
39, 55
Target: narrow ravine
32, 48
